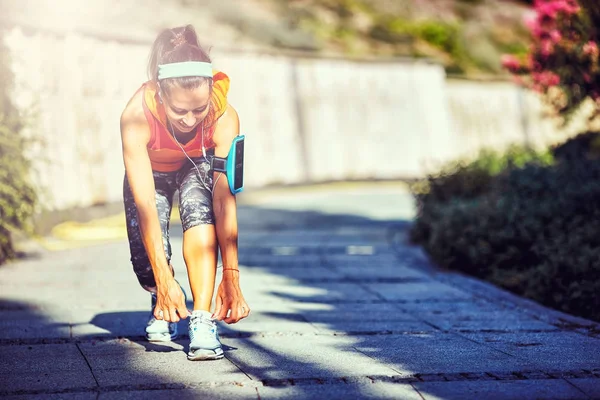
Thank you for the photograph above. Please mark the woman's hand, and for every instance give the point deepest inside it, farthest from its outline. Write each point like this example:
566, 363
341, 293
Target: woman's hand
170, 302
229, 297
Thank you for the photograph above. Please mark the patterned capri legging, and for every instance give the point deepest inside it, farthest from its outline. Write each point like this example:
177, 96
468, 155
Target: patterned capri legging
195, 208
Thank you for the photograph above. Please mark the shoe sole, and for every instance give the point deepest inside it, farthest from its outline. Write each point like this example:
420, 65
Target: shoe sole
205, 356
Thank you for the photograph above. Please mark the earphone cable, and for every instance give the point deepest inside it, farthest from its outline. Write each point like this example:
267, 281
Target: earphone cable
172, 131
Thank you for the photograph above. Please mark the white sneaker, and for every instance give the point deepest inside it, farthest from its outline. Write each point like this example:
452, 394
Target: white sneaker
204, 339
159, 330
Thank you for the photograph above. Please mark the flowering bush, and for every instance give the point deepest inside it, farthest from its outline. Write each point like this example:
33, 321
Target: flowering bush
563, 61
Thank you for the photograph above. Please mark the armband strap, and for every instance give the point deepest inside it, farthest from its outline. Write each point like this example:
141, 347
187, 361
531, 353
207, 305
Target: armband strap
219, 164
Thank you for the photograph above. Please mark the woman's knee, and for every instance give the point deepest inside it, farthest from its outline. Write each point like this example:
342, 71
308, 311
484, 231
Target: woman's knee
200, 239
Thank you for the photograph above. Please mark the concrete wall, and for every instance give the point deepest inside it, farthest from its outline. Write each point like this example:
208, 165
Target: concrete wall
306, 119
498, 114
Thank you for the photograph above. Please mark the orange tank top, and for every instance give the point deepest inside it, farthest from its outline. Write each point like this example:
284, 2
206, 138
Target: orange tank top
165, 154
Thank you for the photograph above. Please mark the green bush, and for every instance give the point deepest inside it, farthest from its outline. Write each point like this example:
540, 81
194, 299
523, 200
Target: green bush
17, 195
463, 183
392, 30
469, 179
584, 145
441, 35
532, 229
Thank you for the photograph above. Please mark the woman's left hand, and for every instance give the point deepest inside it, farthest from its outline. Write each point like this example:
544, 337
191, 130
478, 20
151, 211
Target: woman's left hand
229, 297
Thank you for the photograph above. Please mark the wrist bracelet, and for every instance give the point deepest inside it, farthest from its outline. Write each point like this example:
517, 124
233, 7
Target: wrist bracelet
231, 269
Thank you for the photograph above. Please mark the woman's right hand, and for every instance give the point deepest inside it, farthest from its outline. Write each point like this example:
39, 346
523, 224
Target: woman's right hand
170, 302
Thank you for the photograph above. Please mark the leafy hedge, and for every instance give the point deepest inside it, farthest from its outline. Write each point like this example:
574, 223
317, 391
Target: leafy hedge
17, 194
531, 227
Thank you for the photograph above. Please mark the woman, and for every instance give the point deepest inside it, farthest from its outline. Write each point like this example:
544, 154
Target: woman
170, 129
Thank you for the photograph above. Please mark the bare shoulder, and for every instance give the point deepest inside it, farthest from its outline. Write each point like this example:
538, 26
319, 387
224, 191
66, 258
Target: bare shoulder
227, 128
133, 110
133, 120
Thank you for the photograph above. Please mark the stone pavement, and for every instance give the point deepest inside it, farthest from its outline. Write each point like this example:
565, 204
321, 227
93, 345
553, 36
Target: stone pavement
342, 307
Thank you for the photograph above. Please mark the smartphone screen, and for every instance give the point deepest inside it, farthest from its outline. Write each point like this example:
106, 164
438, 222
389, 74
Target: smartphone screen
239, 165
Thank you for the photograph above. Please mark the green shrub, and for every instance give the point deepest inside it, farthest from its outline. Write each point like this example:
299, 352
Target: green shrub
464, 181
17, 195
469, 179
584, 145
532, 229
439, 34
392, 30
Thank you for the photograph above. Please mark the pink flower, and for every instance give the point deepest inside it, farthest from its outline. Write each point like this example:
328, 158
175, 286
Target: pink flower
547, 12
511, 62
555, 36
568, 6
551, 8
591, 49
533, 25
546, 78
546, 48
552, 79
587, 77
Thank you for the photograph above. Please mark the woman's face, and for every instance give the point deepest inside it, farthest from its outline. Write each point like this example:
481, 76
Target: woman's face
185, 108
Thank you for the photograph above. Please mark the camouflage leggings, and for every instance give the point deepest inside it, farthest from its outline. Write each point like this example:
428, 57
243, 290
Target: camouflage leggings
195, 208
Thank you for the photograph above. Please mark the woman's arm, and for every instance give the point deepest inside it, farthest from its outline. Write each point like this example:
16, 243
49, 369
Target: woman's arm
135, 135
229, 295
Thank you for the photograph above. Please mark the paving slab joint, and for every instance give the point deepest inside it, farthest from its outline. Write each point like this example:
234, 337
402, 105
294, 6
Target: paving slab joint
477, 376
452, 377
431, 377
507, 376
126, 388
278, 382
519, 376
358, 380
88, 364
574, 374
535, 375
25, 392
404, 379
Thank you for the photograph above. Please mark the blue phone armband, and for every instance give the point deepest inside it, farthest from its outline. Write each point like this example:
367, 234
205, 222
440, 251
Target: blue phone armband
233, 165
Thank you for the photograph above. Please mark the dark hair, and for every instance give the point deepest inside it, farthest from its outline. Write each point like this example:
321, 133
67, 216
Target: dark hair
177, 45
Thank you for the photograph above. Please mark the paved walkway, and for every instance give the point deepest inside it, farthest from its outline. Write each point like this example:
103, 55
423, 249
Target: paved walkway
342, 308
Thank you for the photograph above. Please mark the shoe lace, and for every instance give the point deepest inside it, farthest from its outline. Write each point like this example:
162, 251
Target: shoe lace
199, 324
